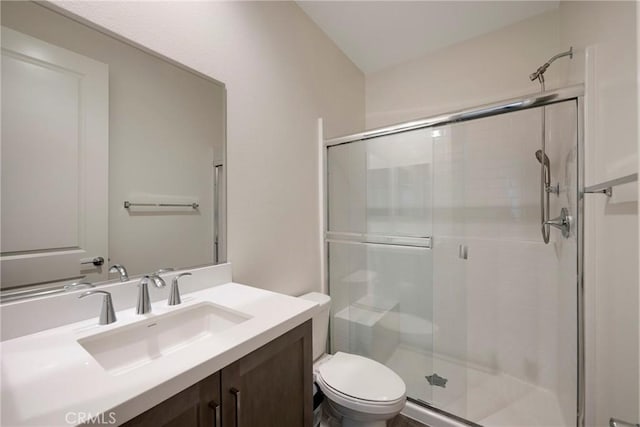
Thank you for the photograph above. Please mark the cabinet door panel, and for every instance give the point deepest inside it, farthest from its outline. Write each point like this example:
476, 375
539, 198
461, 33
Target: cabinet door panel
271, 387
192, 407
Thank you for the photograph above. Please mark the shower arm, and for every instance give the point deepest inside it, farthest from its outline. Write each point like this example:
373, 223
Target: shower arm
539, 73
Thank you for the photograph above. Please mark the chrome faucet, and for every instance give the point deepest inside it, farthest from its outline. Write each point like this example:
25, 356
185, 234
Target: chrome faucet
119, 268
144, 302
174, 293
107, 313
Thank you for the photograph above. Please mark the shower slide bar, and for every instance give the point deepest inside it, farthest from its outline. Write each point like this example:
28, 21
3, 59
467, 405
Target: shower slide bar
380, 239
515, 104
607, 186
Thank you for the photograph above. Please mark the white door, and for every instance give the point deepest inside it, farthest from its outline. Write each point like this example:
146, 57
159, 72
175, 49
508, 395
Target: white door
54, 157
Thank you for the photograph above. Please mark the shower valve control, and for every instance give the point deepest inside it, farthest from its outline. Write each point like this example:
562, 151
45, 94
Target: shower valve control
563, 222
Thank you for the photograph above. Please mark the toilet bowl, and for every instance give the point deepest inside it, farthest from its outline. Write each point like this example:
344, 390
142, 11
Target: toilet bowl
360, 391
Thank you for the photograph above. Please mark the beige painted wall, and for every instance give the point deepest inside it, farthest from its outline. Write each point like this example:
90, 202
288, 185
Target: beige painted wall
484, 69
281, 73
606, 31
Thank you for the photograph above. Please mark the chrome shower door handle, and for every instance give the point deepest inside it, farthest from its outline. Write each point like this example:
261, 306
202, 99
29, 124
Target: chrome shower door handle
563, 222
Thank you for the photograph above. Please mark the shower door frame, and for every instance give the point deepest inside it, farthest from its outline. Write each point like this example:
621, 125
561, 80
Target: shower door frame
571, 93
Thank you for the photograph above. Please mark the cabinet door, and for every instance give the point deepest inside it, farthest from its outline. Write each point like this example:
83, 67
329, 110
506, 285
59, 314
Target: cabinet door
271, 387
194, 407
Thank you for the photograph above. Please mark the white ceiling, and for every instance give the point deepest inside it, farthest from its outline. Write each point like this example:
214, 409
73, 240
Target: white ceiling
379, 34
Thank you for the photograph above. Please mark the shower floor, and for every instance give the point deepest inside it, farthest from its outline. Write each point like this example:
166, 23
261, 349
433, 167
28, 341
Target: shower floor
476, 393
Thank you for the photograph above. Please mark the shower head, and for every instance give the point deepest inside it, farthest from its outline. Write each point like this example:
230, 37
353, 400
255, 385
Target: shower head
539, 73
547, 168
539, 157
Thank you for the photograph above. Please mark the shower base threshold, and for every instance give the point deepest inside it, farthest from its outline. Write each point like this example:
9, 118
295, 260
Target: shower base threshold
488, 398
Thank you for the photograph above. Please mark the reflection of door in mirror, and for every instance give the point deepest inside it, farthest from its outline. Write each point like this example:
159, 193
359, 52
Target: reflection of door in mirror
166, 147
55, 135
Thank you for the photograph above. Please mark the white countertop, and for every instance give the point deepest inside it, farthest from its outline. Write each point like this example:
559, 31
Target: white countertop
48, 379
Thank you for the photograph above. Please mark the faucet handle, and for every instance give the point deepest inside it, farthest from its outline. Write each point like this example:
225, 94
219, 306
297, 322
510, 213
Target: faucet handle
107, 313
120, 269
76, 285
174, 294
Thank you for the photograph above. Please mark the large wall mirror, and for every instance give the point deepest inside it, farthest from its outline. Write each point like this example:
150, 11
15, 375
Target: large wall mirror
110, 155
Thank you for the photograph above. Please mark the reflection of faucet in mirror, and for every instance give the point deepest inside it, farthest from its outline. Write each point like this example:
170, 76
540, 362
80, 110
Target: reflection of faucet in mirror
144, 302
119, 268
77, 285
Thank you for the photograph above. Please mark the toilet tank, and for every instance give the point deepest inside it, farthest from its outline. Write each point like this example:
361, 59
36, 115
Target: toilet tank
320, 322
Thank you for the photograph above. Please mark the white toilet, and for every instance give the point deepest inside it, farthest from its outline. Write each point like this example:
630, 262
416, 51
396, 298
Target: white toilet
363, 392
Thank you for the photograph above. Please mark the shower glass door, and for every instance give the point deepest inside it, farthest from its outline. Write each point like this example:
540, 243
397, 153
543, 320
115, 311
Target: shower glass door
437, 267
505, 303
380, 264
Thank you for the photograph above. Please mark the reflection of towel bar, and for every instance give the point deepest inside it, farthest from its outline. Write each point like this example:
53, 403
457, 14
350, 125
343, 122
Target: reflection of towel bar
606, 187
128, 204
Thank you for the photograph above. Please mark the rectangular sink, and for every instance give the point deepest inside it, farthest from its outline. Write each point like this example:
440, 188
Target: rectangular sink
123, 349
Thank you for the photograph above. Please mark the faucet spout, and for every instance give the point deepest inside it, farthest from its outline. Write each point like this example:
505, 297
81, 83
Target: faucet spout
119, 268
144, 302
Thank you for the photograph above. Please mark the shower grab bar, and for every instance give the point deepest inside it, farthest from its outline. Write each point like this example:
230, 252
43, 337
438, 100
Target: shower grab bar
128, 204
607, 186
383, 239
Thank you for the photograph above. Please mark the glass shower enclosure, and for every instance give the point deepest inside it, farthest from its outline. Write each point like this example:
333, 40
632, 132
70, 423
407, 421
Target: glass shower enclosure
436, 264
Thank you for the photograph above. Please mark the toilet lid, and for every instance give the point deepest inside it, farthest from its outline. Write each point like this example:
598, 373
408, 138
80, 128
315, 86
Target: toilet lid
361, 378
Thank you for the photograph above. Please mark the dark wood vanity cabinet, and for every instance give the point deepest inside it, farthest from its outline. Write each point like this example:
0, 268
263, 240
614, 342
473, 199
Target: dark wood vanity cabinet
270, 387
192, 407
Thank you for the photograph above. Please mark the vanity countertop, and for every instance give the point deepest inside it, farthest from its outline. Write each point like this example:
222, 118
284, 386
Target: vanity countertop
49, 379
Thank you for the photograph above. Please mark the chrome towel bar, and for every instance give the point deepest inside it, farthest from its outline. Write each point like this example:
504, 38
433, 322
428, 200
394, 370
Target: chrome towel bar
128, 204
613, 422
607, 186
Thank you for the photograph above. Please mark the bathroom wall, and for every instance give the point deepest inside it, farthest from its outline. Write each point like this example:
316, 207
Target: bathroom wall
609, 69
281, 74
484, 69
496, 66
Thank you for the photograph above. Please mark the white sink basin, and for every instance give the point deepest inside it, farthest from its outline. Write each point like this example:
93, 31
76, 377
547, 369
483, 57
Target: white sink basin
123, 349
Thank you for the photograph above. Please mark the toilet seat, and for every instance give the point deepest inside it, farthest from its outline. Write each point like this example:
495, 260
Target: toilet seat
361, 384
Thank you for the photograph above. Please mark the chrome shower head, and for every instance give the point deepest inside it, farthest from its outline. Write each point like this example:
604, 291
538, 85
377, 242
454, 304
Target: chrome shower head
539, 73
539, 157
